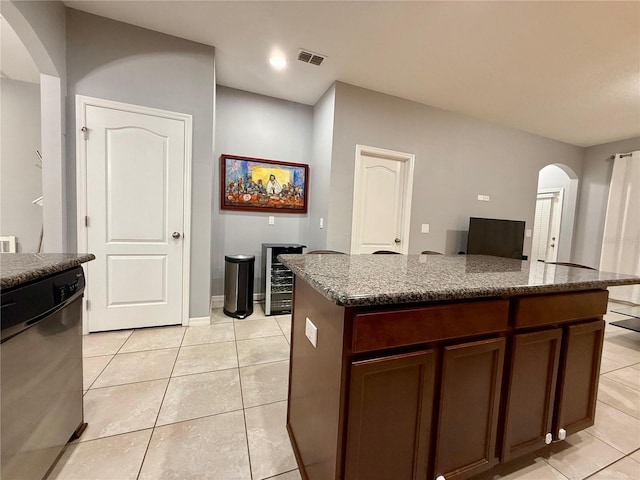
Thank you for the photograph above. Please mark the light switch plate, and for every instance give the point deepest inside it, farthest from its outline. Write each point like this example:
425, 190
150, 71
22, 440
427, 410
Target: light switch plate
528, 233
425, 228
311, 331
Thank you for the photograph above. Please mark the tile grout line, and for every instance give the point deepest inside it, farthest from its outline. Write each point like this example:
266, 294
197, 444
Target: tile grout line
244, 415
635, 389
97, 376
153, 429
621, 383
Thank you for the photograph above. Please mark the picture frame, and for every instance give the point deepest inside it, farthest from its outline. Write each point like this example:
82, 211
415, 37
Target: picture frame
261, 185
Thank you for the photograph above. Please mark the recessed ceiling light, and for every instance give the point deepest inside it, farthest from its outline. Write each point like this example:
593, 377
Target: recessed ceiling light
278, 62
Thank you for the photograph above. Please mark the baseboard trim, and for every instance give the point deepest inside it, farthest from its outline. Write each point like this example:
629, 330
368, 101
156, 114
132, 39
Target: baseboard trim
217, 301
199, 321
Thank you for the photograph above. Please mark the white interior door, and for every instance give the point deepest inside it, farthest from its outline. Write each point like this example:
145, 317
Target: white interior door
546, 229
382, 200
136, 162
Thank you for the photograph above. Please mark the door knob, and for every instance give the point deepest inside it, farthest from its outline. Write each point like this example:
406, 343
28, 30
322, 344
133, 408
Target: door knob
175, 235
397, 240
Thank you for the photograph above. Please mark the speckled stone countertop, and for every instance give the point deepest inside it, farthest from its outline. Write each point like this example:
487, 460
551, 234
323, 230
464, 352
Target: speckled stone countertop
19, 268
360, 280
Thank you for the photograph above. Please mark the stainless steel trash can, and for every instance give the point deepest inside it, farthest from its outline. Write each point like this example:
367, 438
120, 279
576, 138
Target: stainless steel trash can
238, 285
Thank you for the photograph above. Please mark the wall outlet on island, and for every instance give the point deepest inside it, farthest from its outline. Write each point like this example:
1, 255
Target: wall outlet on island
311, 331
272, 220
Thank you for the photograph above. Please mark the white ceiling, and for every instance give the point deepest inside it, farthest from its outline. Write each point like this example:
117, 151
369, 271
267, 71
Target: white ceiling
564, 70
15, 61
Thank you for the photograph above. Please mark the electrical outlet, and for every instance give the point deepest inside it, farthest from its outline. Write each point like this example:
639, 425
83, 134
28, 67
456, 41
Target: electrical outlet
487, 198
311, 331
272, 220
425, 228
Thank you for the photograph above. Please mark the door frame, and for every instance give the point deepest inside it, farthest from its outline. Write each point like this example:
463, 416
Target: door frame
409, 159
555, 218
82, 102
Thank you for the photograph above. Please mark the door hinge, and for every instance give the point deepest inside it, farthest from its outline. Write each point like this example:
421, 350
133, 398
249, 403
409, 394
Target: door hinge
85, 132
88, 304
86, 221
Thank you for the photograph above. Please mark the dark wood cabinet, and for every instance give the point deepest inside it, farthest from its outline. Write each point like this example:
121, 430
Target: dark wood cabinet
553, 381
578, 381
467, 419
439, 389
389, 417
533, 369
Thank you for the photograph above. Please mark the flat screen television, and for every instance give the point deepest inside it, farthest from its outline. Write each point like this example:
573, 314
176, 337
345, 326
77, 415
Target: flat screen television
490, 236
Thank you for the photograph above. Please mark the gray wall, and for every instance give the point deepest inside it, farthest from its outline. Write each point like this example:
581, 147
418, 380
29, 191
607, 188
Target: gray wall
20, 179
593, 199
457, 158
120, 62
552, 176
321, 144
253, 125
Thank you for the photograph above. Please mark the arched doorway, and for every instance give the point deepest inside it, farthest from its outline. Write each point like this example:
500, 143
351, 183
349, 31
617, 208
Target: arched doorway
20, 144
555, 214
45, 42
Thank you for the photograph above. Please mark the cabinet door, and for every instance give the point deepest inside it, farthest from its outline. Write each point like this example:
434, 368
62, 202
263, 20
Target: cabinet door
468, 412
389, 417
532, 388
578, 381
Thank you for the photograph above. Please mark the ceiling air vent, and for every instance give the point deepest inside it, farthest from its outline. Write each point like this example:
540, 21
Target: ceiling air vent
309, 57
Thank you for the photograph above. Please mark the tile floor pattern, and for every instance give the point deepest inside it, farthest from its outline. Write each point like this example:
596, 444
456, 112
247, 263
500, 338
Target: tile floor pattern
209, 402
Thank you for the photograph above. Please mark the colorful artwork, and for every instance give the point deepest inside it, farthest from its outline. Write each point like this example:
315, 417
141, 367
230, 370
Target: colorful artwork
263, 185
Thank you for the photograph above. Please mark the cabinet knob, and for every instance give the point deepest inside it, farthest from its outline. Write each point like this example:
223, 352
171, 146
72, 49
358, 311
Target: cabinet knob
562, 434
548, 438
440, 477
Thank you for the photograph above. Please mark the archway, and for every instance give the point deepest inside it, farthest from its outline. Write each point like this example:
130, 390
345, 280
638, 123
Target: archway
555, 214
20, 144
40, 27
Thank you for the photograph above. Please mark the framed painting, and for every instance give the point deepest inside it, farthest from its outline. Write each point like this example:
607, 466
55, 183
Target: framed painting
259, 185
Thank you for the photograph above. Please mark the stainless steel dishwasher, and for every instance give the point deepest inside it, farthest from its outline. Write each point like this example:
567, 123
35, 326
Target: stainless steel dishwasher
41, 372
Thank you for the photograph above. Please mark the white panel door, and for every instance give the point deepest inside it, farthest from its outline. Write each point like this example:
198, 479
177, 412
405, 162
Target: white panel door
382, 200
135, 172
546, 229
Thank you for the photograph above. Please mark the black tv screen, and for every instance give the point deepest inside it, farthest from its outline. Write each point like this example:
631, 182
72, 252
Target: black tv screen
490, 236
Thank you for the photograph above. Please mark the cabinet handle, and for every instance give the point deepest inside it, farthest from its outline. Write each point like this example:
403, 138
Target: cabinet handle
548, 438
562, 434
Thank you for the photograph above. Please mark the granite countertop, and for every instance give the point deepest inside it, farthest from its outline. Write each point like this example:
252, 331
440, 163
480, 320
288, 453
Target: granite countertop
19, 268
360, 280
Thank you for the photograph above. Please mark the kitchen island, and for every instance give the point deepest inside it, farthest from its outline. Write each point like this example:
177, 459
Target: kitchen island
434, 367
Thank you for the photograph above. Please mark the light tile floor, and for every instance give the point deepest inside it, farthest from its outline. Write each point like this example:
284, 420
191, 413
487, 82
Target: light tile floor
209, 402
